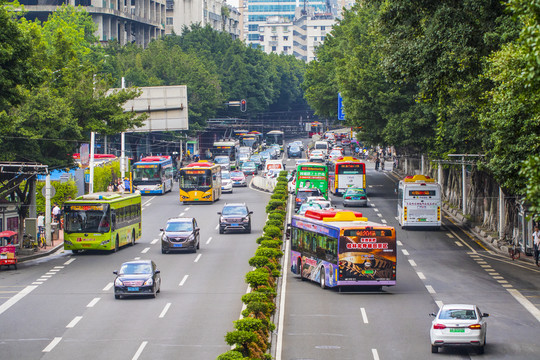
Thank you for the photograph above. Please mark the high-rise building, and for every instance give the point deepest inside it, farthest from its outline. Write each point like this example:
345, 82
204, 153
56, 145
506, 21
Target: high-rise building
127, 21
256, 12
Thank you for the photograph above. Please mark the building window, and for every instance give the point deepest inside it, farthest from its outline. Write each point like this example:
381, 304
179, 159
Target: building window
285, 29
314, 38
170, 21
315, 27
323, 27
273, 48
252, 27
285, 38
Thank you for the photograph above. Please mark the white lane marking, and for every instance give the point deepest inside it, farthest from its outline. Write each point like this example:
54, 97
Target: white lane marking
502, 281
421, 275
372, 205
507, 285
183, 280
450, 235
164, 311
13, 300
37, 283
54, 270
281, 316
145, 250
396, 218
375, 354
379, 214
430, 289
137, 258
148, 201
485, 266
153, 242
93, 302
383, 221
464, 243
197, 258
458, 243
405, 252
494, 274
480, 261
147, 204
186, 209
108, 287
208, 241
244, 306
411, 261
74, 322
181, 214
490, 269
59, 267
399, 243
70, 261
217, 226
526, 303
50, 273
139, 350
52, 344
439, 303
42, 279
364, 315
377, 210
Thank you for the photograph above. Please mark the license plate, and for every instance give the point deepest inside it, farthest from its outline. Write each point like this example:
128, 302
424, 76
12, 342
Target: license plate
177, 245
368, 272
422, 219
133, 289
235, 225
457, 330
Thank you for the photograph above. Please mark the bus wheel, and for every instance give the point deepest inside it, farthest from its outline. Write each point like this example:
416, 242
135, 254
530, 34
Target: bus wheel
75, 251
116, 244
323, 278
132, 237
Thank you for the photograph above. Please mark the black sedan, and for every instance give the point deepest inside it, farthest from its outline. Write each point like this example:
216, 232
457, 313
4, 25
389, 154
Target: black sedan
294, 152
139, 277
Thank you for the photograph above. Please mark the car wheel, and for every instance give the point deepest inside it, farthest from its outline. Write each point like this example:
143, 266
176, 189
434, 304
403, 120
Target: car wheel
434, 349
481, 350
322, 278
75, 251
117, 297
154, 293
221, 231
248, 229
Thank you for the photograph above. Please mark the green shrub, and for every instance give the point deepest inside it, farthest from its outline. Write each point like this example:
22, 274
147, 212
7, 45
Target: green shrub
276, 216
254, 296
281, 187
248, 324
273, 244
272, 231
258, 277
259, 309
232, 355
276, 223
277, 197
275, 204
262, 238
240, 338
276, 273
283, 173
268, 291
281, 179
258, 261
269, 253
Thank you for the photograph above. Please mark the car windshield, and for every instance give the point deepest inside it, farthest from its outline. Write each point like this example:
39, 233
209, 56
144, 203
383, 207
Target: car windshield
295, 148
248, 164
306, 194
237, 174
221, 160
225, 175
234, 210
313, 206
354, 192
255, 158
335, 152
461, 314
179, 226
134, 269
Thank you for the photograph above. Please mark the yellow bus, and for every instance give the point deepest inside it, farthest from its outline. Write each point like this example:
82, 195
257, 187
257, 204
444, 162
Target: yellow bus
200, 182
102, 221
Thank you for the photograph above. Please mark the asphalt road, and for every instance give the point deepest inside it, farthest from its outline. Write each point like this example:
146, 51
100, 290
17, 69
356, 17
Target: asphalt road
434, 267
73, 313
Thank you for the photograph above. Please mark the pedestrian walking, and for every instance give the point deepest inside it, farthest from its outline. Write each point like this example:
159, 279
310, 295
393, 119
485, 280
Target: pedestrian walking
121, 188
110, 188
56, 213
536, 243
41, 229
377, 162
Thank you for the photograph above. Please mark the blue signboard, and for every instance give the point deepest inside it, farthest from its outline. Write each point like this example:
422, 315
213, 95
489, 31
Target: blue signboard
340, 112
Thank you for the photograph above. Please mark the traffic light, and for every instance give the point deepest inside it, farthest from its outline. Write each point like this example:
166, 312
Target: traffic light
243, 105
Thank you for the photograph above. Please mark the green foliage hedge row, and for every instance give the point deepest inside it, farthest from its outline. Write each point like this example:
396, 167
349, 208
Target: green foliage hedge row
252, 333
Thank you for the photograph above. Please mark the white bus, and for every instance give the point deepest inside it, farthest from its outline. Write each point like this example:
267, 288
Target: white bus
419, 202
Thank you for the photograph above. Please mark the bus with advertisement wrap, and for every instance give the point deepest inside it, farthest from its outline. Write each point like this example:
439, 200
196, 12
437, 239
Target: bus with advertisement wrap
102, 221
346, 172
312, 175
419, 202
200, 182
339, 248
153, 175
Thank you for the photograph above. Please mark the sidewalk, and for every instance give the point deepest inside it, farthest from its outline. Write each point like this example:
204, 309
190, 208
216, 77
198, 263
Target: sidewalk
30, 254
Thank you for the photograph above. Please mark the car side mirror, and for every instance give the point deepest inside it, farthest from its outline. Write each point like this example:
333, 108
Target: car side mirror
115, 272
219, 213
157, 272
432, 314
197, 229
485, 315
161, 230
251, 212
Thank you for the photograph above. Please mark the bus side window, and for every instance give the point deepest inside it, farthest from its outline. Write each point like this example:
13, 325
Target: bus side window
113, 219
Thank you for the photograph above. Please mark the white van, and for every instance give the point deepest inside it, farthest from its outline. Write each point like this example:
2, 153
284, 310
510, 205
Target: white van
274, 165
323, 146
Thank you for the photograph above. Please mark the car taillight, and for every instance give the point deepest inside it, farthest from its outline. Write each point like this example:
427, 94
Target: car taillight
298, 199
439, 326
475, 326
348, 197
362, 198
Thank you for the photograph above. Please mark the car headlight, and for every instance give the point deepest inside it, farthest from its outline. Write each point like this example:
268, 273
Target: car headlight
68, 242
149, 282
165, 238
191, 237
221, 219
118, 282
246, 219
105, 242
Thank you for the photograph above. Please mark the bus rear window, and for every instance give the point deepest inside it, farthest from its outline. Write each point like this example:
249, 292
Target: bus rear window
350, 169
422, 192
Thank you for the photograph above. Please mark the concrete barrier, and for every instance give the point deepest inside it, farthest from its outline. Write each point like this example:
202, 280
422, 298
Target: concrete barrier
263, 183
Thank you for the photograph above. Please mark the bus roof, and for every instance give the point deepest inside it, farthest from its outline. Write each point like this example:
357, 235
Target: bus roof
339, 218
347, 159
418, 179
201, 163
104, 196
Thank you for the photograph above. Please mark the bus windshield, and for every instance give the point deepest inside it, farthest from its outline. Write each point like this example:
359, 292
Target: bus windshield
195, 178
350, 169
147, 173
92, 218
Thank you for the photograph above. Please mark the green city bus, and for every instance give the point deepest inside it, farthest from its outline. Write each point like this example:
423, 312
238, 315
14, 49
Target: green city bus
102, 221
312, 175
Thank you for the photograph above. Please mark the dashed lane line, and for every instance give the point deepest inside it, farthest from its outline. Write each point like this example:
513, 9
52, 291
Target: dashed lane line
399, 243
421, 275
93, 302
375, 354
197, 258
208, 241
52, 344
411, 261
145, 250
183, 280
430, 289
405, 252
181, 214
439, 303
164, 311
186, 209
450, 235
108, 286
70, 261
139, 350
74, 322
364, 315
383, 221
153, 242
458, 243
